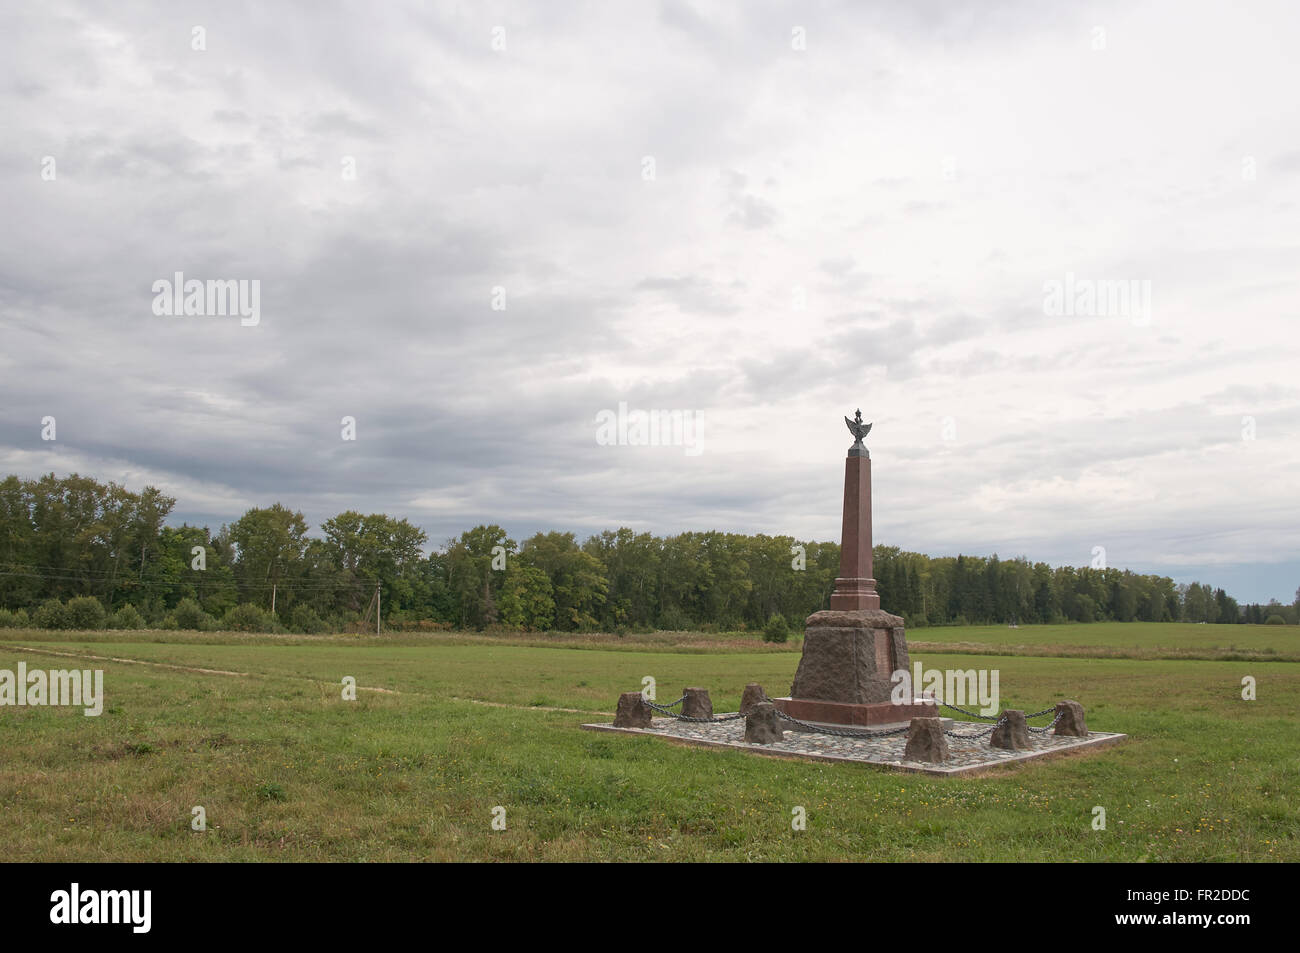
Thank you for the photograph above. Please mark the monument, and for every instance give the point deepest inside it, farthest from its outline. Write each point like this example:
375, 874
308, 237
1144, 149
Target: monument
850, 652
851, 649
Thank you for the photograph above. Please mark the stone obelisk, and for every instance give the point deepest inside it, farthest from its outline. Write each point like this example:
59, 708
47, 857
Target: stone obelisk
854, 587
851, 649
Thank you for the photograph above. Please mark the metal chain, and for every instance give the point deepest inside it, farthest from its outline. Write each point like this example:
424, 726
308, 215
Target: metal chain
661, 708
666, 710
975, 734
971, 734
861, 733
839, 732
971, 714
988, 731
1049, 727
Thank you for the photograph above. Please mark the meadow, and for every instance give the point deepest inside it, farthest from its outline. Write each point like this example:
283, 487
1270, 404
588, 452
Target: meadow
447, 727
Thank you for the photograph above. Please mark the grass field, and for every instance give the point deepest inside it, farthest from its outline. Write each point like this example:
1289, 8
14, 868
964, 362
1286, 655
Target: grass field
447, 727
1123, 640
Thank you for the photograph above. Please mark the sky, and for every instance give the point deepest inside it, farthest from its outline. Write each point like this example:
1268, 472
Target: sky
1049, 250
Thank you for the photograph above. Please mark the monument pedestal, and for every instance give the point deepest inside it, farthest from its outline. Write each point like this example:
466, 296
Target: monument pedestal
844, 674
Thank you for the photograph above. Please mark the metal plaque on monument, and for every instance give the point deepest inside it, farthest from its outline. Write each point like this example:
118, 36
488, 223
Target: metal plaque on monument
851, 649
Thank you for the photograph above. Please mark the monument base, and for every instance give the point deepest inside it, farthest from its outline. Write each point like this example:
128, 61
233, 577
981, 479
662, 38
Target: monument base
849, 657
856, 715
845, 672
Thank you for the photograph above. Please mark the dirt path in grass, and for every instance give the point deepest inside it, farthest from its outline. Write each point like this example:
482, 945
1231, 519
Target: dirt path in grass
130, 661
305, 678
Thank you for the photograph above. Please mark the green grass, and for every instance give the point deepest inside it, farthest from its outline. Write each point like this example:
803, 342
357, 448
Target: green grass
1123, 640
1096, 640
287, 770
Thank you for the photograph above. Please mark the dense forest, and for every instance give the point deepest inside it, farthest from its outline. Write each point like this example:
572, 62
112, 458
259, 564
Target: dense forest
75, 552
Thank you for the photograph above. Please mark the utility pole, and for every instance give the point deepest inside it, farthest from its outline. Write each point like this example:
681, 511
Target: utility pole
379, 607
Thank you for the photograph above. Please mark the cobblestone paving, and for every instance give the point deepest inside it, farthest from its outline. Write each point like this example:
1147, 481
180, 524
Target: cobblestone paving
964, 753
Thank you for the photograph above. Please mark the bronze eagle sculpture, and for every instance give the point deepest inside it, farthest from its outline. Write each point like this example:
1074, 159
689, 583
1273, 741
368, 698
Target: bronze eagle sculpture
859, 430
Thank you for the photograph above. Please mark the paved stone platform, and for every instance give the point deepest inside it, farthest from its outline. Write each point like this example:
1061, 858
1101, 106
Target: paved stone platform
967, 754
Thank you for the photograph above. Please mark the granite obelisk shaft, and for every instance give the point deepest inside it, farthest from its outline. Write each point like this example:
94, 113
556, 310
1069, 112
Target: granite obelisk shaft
854, 587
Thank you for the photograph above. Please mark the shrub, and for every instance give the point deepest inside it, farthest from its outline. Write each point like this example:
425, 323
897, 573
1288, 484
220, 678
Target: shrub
304, 619
85, 612
673, 619
51, 614
126, 617
153, 609
190, 615
1275, 620
776, 629
13, 620
247, 617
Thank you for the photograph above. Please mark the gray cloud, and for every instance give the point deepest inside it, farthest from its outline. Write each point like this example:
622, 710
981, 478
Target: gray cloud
813, 175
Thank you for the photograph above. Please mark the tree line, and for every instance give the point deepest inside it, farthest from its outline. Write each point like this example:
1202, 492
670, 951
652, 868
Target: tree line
74, 538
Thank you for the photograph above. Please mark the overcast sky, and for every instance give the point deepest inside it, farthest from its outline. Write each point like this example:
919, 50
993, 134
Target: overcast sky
478, 226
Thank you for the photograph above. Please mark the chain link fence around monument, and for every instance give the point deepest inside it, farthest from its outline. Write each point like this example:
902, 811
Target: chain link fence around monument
863, 732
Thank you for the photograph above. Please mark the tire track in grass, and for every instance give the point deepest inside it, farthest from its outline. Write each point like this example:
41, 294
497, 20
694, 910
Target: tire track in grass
131, 661
480, 701
305, 678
